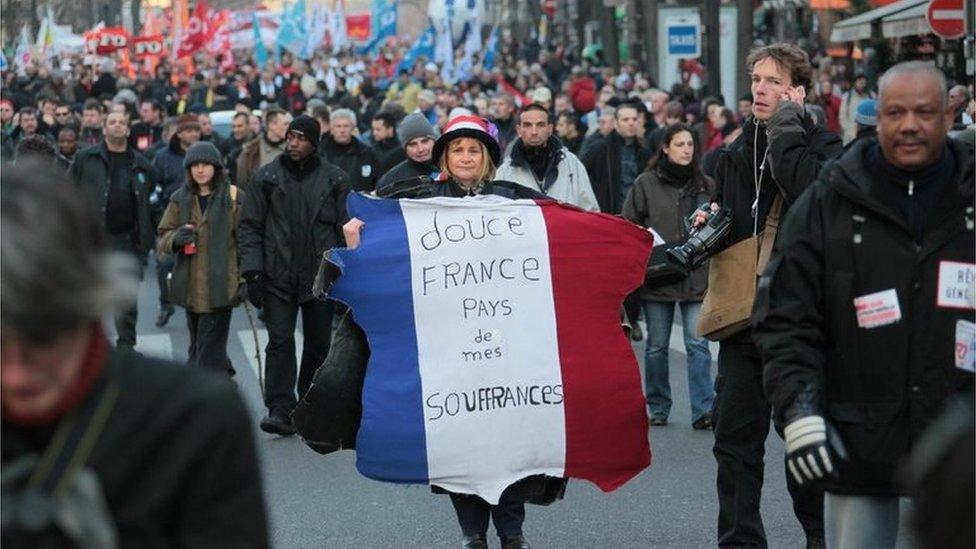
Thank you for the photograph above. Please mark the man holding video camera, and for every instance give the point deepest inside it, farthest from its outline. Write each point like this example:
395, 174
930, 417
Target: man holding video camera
758, 177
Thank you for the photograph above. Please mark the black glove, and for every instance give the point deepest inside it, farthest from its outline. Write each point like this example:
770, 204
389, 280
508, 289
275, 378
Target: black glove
254, 282
812, 450
183, 236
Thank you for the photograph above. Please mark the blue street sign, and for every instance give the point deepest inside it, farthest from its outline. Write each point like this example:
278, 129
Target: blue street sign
684, 40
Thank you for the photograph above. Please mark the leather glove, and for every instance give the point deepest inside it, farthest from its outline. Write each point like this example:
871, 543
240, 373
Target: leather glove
183, 236
254, 284
811, 450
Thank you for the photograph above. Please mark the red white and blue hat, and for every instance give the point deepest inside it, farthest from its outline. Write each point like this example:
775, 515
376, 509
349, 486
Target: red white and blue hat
470, 126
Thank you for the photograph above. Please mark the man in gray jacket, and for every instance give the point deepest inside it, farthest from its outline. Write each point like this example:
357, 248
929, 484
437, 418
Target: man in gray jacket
539, 161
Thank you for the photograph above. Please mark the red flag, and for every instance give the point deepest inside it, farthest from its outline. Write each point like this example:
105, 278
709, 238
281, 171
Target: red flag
197, 31
147, 46
358, 26
106, 41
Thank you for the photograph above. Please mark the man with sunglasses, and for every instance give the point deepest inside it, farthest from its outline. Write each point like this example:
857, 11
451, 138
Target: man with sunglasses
293, 212
62, 117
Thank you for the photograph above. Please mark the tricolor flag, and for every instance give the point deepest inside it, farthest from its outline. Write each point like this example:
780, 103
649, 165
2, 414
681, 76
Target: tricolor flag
495, 340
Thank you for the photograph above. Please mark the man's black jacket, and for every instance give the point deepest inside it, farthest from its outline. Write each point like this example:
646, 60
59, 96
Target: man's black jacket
389, 153
91, 172
357, 160
602, 163
405, 170
879, 385
798, 148
283, 235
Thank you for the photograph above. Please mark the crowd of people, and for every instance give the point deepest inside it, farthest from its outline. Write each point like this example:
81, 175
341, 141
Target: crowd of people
839, 174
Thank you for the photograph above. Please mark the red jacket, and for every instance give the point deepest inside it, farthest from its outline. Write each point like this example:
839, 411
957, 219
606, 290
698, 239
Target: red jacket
831, 107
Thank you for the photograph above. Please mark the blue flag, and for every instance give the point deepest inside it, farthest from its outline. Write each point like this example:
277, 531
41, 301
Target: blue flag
292, 35
423, 47
260, 52
491, 49
384, 24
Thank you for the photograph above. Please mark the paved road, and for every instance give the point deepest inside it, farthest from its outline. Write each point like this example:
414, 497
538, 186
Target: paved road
322, 501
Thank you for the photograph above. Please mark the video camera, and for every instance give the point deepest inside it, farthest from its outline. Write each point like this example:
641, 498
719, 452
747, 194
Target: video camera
702, 241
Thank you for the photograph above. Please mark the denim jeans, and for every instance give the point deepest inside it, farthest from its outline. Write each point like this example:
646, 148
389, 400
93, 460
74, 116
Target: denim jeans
660, 316
852, 522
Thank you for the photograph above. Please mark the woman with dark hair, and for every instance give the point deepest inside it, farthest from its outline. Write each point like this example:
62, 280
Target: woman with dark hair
200, 228
664, 197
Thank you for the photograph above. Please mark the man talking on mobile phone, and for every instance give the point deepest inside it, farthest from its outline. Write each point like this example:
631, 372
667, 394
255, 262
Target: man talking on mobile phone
758, 177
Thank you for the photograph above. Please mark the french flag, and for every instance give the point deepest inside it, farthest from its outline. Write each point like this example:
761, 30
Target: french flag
495, 340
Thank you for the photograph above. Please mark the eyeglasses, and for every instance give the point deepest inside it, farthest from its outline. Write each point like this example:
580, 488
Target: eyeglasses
62, 113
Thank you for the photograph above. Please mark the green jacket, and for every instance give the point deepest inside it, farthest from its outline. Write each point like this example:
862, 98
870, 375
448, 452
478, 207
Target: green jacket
209, 279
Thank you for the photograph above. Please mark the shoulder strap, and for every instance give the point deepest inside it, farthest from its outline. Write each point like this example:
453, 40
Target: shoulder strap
75, 438
769, 233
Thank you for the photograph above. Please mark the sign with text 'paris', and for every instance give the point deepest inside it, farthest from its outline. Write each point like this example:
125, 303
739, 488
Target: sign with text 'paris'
684, 37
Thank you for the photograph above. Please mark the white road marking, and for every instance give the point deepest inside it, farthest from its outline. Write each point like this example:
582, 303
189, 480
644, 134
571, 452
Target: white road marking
246, 338
155, 345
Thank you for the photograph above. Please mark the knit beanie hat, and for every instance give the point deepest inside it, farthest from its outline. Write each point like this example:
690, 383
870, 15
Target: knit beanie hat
308, 127
203, 151
867, 113
414, 125
469, 126
187, 122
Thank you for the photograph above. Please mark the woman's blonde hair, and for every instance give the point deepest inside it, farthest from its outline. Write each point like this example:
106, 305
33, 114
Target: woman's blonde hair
487, 165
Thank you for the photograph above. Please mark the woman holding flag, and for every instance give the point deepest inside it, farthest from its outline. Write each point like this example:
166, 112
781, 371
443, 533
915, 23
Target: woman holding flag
467, 154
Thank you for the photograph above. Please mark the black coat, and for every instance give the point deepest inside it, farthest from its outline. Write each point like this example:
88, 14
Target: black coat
389, 153
602, 162
405, 170
170, 173
91, 172
795, 159
880, 386
356, 159
284, 238
176, 460
142, 136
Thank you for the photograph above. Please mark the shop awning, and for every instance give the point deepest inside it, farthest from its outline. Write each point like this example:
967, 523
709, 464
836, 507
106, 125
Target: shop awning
868, 24
910, 22
830, 4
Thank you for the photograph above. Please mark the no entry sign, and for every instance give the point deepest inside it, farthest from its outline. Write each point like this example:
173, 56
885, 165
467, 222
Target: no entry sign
947, 18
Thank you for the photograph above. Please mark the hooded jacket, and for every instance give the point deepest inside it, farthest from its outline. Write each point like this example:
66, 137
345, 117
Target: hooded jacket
209, 279
880, 383
565, 179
